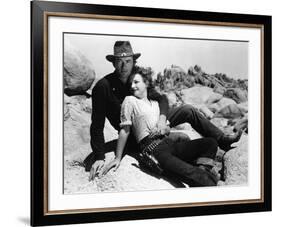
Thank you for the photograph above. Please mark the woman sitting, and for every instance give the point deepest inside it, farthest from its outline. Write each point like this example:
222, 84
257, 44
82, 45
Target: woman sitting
190, 160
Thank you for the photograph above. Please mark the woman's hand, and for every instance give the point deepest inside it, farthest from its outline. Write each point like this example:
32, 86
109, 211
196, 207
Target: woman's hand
96, 168
115, 163
162, 127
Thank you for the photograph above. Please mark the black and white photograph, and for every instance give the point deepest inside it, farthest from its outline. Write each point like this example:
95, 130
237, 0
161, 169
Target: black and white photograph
137, 115
154, 113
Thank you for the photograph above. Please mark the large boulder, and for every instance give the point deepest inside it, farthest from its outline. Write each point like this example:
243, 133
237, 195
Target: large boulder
78, 71
77, 121
243, 107
197, 95
128, 177
76, 128
124, 178
236, 163
214, 98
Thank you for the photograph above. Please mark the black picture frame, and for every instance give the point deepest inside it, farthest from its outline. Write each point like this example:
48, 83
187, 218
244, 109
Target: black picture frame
39, 111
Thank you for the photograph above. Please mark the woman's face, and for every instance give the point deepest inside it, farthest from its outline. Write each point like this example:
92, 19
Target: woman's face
138, 86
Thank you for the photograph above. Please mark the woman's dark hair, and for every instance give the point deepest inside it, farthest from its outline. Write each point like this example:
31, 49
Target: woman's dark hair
146, 74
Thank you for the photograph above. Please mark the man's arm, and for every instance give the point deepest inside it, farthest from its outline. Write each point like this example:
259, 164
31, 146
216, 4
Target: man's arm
99, 94
162, 126
161, 99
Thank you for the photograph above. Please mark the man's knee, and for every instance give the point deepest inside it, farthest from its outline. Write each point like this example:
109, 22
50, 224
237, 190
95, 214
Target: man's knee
190, 112
188, 109
183, 114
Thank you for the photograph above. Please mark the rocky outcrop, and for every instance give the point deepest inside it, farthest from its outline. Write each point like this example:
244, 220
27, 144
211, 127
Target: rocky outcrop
196, 95
243, 107
236, 94
77, 121
206, 112
219, 98
214, 98
76, 128
176, 78
222, 103
78, 71
204, 79
128, 177
219, 89
230, 111
173, 99
77, 147
236, 163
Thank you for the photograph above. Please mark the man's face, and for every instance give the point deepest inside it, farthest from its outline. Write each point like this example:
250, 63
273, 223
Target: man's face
124, 66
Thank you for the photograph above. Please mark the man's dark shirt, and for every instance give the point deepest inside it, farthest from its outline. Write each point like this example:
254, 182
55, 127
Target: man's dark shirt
107, 97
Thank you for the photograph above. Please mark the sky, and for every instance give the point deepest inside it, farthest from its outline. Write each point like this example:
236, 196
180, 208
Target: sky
214, 56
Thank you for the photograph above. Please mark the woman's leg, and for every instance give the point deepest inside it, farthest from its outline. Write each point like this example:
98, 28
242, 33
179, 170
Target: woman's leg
200, 152
193, 176
190, 151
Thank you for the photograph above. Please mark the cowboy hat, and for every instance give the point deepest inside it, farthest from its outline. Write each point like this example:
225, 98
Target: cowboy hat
122, 49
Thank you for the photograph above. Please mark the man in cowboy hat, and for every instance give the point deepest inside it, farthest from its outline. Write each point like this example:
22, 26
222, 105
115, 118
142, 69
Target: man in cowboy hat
108, 95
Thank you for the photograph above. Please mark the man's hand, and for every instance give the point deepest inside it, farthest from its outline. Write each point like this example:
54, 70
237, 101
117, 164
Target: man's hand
96, 168
113, 164
178, 136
